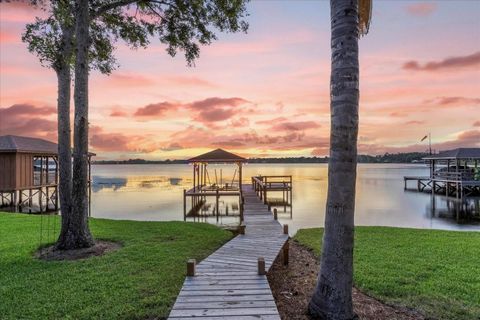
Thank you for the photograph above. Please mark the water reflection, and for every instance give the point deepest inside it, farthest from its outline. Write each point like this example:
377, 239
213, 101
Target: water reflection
99, 183
155, 192
464, 211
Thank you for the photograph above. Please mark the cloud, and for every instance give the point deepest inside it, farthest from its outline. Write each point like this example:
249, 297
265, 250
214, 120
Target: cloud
446, 64
206, 111
476, 124
118, 113
26, 110
413, 122
215, 102
270, 121
454, 101
155, 109
110, 142
28, 120
421, 9
172, 147
240, 122
296, 126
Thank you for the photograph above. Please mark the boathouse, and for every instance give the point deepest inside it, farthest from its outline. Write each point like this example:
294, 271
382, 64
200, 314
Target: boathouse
452, 173
29, 174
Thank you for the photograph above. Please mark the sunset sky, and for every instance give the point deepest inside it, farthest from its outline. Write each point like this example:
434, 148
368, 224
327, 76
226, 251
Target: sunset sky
266, 93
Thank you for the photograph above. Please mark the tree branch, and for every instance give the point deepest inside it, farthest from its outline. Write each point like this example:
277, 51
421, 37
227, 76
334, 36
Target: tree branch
120, 3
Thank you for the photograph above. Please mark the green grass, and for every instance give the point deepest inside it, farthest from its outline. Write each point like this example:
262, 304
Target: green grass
434, 272
139, 281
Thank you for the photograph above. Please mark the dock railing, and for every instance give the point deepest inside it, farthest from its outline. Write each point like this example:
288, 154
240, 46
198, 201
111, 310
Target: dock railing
263, 184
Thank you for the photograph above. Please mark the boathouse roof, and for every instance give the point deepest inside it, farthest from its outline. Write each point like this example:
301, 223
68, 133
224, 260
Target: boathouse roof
12, 143
459, 154
19, 144
217, 156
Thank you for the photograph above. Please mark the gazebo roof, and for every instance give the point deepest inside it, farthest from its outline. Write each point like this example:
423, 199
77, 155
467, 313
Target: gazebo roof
460, 153
217, 156
11, 144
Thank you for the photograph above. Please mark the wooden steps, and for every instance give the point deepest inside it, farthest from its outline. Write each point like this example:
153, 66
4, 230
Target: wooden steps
226, 284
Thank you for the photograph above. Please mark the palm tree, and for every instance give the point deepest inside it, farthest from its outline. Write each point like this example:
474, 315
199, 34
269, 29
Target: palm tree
332, 298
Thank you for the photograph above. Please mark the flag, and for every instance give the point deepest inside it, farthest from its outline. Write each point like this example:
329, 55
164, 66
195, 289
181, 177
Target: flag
424, 138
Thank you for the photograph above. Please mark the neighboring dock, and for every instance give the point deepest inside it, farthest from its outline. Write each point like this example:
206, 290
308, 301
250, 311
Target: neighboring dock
231, 283
453, 173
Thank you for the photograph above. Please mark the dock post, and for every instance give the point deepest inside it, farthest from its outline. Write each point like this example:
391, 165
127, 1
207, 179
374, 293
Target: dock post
265, 194
191, 267
285, 253
275, 214
242, 228
285, 229
184, 205
216, 204
261, 266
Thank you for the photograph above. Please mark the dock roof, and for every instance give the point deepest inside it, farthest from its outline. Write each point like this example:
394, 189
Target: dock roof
459, 154
217, 156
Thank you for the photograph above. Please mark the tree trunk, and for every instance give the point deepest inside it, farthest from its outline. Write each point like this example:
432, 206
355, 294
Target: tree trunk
78, 234
332, 298
62, 68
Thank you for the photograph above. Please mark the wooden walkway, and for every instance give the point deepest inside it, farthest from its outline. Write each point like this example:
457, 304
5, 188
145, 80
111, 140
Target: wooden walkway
226, 285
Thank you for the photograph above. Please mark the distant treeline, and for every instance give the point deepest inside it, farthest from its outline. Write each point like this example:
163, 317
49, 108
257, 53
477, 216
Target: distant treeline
385, 158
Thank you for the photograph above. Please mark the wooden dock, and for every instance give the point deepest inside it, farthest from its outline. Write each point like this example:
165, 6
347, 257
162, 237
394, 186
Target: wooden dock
231, 283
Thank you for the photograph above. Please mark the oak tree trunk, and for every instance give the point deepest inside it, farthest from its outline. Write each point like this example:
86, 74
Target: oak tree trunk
78, 233
332, 298
62, 69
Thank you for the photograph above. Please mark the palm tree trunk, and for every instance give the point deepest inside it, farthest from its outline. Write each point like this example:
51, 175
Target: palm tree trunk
79, 235
332, 298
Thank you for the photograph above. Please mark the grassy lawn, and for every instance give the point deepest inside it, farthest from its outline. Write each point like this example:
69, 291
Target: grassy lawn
139, 281
435, 272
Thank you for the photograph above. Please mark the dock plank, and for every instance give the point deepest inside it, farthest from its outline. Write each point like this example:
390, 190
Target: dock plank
227, 283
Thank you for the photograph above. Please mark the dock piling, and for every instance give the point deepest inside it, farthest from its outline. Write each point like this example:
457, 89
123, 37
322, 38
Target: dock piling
191, 267
261, 266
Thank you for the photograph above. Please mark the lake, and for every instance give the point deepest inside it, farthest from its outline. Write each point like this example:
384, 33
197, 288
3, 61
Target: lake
155, 192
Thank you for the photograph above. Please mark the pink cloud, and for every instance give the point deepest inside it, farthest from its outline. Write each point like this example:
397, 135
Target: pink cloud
118, 113
240, 122
471, 60
476, 124
216, 102
455, 101
413, 122
421, 9
28, 120
155, 109
111, 142
296, 126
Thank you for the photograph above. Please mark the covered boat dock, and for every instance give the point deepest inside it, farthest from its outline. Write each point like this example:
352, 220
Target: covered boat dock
453, 173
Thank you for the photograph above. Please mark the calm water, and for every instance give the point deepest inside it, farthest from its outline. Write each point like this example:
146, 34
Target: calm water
155, 192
